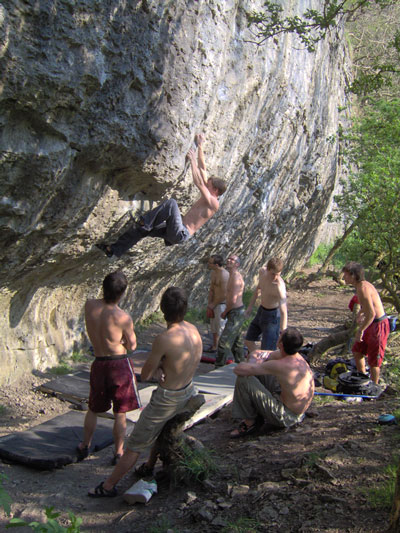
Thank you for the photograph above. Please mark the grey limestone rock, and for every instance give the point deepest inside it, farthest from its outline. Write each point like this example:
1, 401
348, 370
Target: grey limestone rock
99, 103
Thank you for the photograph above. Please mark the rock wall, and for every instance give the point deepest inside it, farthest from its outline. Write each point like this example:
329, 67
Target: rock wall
99, 102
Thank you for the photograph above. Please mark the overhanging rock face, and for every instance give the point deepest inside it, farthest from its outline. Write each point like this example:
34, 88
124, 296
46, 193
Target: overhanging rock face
99, 103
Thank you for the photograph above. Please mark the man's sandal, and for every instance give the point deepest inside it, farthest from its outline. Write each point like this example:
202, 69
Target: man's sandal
243, 430
144, 471
101, 492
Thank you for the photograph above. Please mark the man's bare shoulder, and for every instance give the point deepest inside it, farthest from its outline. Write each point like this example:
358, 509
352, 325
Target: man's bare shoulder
365, 289
92, 304
171, 335
222, 275
237, 276
282, 284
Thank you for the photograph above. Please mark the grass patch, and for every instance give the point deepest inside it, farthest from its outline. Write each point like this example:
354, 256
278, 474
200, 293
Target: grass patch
310, 459
61, 369
392, 370
5, 499
321, 400
162, 526
196, 315
51, 525
152, 318
196, 464
3, 409
381, 495
79, 357
242, 525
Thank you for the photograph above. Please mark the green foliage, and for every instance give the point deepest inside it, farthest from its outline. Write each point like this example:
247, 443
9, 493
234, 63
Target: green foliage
321, 400
247, 294
370, 195
310, 459
5, 500
61, 369
51, 525
242, 525
155, 317
392, 370
313, 25
351, 250
162, 526
197, 464
319, 255
3, 409
380, 496
79, 357
195, 315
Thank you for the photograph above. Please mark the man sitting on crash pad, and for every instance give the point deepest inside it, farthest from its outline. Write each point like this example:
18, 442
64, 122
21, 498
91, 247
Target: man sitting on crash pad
276, 387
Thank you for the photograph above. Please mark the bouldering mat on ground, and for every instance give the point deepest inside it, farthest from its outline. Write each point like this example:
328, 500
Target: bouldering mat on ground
219, 381
53, 443
73, 386
70, 386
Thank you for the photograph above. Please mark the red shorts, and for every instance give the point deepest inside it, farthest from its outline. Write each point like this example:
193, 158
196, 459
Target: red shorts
374, 342
113, 381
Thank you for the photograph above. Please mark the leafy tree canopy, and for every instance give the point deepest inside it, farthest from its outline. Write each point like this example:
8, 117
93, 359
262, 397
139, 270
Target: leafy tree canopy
370, 195
375, 65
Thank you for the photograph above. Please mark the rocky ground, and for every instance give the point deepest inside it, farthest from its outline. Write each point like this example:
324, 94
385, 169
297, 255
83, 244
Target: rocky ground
314, 478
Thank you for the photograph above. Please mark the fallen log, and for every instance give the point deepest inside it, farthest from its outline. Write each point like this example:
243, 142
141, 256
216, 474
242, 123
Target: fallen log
173, 443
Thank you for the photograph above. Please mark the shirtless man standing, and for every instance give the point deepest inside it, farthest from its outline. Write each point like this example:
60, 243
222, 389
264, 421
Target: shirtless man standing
271, 317
230, 343
373, 331
112, 378
278, 386
216, 298
174, 357
165, 221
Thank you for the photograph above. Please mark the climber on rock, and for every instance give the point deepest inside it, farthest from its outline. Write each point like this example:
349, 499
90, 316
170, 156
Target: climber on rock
165, 221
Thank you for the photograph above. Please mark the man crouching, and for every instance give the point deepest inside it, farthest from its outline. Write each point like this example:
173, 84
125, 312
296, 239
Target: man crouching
277, 386
174, 357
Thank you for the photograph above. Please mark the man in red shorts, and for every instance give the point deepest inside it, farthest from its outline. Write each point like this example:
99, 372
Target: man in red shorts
112, 378
373, 330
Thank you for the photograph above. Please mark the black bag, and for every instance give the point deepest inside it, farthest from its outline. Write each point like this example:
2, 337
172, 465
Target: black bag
357, 383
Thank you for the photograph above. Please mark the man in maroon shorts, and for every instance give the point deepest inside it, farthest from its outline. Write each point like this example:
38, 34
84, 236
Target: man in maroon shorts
373, 330
112, 378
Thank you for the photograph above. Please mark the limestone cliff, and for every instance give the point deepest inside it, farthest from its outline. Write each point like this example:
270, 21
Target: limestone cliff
99, 102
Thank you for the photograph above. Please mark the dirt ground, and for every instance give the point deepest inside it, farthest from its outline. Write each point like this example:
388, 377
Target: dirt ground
313, 478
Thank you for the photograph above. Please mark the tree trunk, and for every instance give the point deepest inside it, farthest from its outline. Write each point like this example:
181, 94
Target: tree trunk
171, 441
335, 339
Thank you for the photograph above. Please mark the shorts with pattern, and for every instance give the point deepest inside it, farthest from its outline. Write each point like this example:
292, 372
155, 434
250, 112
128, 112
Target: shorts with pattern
113, 381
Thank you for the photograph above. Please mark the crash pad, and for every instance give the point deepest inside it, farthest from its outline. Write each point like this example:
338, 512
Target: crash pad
219, 381
52, 444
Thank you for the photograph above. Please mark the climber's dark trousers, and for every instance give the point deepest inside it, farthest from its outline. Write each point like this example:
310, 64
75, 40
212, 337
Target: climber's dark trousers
164, 221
